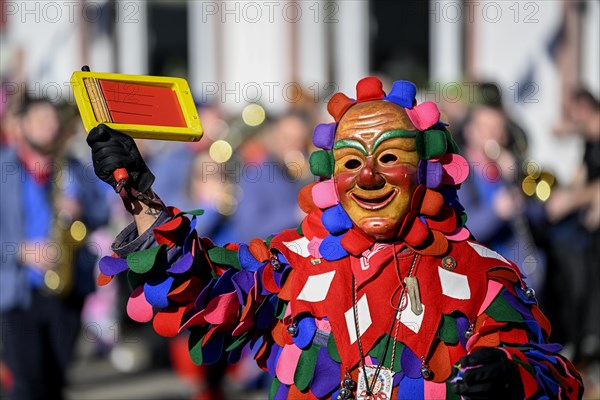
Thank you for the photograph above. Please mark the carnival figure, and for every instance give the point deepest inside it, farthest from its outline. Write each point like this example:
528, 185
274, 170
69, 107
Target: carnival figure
380, 293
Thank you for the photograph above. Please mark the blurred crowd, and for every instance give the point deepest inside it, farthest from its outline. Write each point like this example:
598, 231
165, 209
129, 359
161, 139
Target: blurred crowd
245, 174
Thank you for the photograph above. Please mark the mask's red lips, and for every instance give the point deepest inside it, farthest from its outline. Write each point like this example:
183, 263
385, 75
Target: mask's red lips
375, 203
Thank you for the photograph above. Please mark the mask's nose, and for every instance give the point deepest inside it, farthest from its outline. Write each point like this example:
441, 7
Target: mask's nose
368, 178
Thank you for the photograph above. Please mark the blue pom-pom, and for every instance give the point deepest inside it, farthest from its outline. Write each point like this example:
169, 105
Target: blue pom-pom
336, 220
331, 248
403, 93
306, 331
213, 349
156, 293
247, 260
223, 284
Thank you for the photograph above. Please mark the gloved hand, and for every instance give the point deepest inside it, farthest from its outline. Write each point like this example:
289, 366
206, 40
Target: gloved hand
487, 373
111, 150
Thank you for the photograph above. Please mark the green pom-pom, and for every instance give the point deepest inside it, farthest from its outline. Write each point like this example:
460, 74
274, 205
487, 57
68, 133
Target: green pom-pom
142, 261
448, 332
223, 256
431, 144
196, 213
452, 146
380, 350
195, 345
280, 310
268, 240
240, 341
502, 311
321, 163
306, 367
274, 388
332, 349
463, 218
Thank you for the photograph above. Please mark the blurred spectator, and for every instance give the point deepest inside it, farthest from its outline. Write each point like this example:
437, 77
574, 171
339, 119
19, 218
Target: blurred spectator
490, 95
499, 214
209, 190
582, 193
47, 192
9, 126
455, 110
575, 210
167, 160
270, 185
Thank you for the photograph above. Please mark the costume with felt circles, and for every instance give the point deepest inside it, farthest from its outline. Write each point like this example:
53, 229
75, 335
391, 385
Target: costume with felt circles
317, 304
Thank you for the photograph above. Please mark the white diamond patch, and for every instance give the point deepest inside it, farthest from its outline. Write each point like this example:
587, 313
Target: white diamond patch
299, 246
364, 318
454, 285
410, 319
487, 253
316, 287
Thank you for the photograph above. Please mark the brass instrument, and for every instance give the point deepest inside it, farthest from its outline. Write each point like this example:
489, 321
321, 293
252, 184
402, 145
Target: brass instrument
67, 235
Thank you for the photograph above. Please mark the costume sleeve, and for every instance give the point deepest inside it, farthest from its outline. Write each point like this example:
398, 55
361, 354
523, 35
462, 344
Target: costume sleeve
514, 323
227, 297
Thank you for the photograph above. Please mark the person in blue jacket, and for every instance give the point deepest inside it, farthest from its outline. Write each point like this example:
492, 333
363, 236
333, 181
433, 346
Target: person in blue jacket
45, 274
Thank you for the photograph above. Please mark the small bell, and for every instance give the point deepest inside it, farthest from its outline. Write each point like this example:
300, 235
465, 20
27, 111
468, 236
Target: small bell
426, 373
293, 329
469, 332
529, 293
425, 370
348, 383
344, 394
275, 264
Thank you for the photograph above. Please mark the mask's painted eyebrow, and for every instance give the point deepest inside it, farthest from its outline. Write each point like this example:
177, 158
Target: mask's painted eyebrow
396, 133
355, 144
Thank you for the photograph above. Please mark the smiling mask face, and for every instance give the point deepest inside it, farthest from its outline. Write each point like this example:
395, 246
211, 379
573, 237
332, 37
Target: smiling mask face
375, 166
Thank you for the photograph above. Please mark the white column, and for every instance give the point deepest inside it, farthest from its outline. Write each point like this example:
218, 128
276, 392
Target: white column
351, 44
445, 40
202, 45
312, 57
132, 36
256, 60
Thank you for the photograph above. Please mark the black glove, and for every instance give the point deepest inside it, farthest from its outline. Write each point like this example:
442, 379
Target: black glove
111, 150
487, 373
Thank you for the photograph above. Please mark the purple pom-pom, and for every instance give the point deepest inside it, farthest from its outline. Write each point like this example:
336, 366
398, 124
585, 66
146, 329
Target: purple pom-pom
323, 136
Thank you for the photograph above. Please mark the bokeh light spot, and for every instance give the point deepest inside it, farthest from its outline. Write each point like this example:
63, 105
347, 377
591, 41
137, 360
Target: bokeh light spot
253, 115
543, 190
529, 186
220, 151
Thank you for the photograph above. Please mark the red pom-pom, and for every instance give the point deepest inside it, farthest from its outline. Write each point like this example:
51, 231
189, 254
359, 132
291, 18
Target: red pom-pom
356, 241
166, 323
369, 88
432, 203
414, 231
338, 105
305, 200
